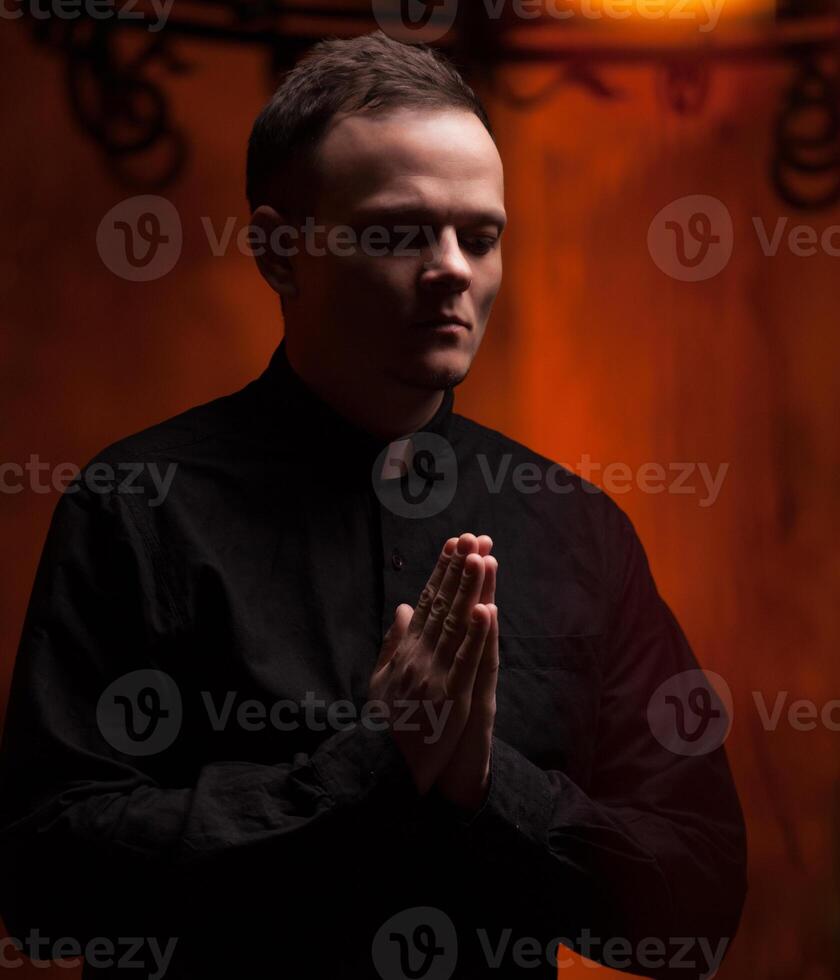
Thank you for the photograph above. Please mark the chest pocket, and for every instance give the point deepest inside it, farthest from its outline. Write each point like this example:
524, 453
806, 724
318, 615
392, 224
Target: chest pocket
547, 698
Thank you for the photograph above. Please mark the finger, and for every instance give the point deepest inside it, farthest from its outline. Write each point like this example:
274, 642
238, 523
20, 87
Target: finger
396, 632
488, 669
488, 591
487, 674
485, 544
457, 620
430, 590
465, 664
442, 602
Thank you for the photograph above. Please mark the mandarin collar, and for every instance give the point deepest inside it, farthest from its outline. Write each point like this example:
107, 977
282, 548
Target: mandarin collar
288, 403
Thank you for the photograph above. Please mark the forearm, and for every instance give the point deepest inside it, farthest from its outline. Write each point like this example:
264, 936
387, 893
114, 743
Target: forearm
125, 846
643, 891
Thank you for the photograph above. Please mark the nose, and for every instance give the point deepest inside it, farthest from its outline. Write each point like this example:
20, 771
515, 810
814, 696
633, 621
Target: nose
447, 267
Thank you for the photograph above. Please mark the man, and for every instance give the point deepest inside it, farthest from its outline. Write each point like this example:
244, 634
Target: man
296, 717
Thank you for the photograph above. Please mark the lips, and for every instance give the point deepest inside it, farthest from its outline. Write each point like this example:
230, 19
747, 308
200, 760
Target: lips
443, 321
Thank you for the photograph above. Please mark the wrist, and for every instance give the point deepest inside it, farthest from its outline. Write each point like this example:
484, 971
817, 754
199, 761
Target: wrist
470, 805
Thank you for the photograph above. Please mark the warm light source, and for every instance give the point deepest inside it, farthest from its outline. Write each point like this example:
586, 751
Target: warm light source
699, 15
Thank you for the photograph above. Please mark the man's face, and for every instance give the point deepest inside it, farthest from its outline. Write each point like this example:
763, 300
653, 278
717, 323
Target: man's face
434, 171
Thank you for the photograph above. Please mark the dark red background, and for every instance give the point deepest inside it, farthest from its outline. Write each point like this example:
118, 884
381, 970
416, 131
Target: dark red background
591, 350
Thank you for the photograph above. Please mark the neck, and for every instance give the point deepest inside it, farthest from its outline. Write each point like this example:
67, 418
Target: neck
383, 408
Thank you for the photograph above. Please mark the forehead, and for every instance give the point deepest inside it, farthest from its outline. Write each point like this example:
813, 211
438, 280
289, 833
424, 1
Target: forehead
435, 158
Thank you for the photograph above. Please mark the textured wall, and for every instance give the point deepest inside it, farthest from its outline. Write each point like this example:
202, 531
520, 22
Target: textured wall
592, 352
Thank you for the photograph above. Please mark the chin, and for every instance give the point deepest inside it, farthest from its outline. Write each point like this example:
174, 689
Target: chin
441, 368
431, 371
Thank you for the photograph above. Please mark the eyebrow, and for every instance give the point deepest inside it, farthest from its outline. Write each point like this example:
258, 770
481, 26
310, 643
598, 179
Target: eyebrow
407, 210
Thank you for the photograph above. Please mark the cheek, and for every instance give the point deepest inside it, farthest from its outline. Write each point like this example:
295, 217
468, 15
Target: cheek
487, 284
376, 281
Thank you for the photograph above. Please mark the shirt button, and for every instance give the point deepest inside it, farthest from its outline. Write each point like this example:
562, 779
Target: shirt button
397, 559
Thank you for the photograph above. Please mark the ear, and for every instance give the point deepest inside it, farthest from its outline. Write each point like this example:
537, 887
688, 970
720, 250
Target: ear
278, 239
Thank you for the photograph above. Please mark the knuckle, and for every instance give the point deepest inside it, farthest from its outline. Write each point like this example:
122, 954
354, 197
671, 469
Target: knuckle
426, 596
440, 606
450, 625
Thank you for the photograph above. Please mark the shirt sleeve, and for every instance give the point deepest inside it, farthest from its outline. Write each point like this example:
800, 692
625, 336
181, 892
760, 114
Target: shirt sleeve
646, 871
89, 832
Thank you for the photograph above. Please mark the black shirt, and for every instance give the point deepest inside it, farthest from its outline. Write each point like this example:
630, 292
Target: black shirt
186, 754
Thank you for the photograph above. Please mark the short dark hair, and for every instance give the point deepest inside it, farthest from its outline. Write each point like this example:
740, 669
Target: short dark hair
369, 73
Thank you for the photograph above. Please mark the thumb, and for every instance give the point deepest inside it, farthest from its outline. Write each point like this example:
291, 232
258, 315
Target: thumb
397, 630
